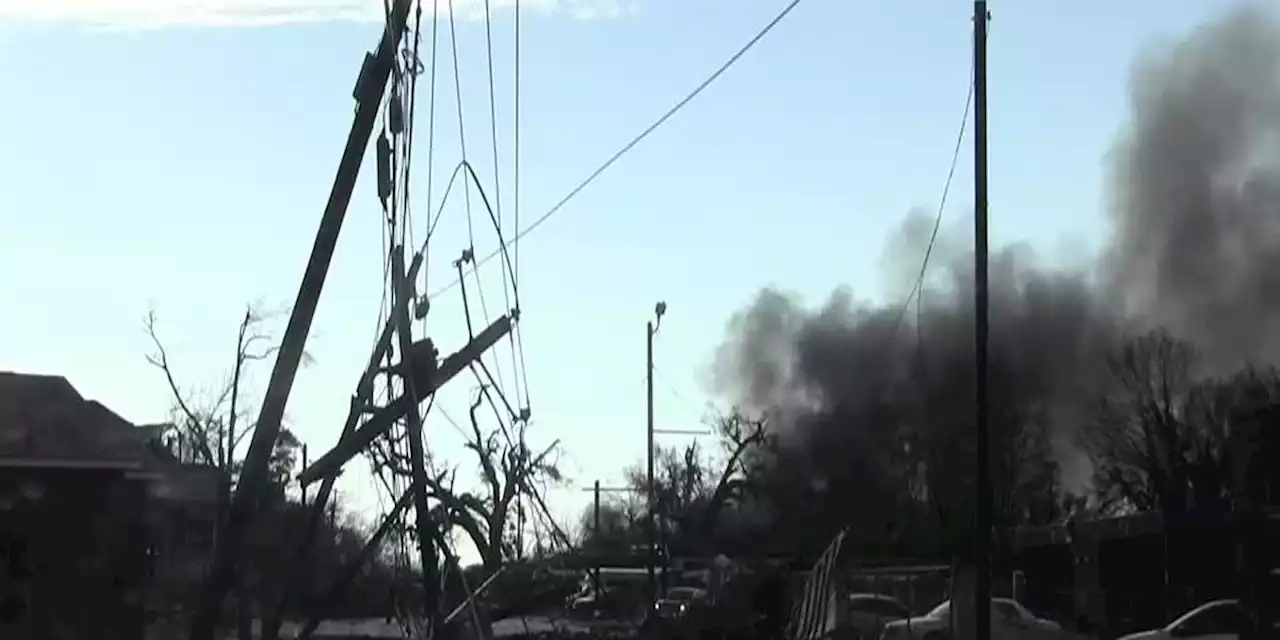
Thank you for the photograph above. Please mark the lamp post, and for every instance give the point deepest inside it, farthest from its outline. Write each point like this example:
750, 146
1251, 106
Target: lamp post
651, 329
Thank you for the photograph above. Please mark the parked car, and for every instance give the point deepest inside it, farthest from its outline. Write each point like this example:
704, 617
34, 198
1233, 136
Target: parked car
1009, 620
609, 592
593, 604
680, 602
869, 612
1216, 620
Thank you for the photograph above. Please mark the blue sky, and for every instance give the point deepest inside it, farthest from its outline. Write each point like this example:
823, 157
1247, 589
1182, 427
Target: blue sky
179, 158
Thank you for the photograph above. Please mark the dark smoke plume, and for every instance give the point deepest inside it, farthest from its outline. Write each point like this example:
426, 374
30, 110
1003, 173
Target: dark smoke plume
1195, 218
1193, 246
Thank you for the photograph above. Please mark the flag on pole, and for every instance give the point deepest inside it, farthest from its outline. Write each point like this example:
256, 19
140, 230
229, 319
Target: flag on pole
818, 611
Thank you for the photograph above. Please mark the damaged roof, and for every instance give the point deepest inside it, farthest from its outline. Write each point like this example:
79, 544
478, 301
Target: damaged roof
44, 419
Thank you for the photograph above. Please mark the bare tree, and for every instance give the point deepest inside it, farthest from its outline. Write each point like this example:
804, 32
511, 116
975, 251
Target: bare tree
1140, 430
509, 470
1163, 439
680, 491
208, 428
616, 531
741, 436
691, 490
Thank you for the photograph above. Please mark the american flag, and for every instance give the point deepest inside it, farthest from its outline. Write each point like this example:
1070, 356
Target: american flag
818, 612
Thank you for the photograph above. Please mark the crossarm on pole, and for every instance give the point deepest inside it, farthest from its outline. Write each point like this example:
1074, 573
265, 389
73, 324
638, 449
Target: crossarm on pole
383, 418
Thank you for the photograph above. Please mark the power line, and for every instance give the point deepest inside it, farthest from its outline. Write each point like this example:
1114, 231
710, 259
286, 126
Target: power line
497, 196
518, 335
942, 206
431, 135
634, 141
683, 400
496, 216
515, 202
515, 273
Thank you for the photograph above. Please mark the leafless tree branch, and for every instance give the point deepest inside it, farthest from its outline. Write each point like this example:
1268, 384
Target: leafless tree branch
160, 359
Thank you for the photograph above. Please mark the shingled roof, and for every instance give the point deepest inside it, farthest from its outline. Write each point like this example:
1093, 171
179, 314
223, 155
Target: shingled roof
44, 420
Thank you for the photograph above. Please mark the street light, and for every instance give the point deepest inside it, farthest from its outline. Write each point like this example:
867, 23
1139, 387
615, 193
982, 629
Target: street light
651, 329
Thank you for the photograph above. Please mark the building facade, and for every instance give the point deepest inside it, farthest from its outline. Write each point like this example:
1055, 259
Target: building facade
83, 502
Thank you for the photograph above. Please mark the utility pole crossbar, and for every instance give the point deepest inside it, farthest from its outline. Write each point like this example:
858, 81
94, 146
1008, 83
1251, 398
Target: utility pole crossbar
381, 421
371, 87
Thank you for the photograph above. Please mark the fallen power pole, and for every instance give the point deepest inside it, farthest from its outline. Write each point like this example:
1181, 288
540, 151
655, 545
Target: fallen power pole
360, 400
331, 595
369, 91
382, 419
426, 534
426, 380
421, 380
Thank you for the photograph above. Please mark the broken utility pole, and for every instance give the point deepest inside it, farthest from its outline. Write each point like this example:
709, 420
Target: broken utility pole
370, 88
361, 399
352, 441
334, 591
417, 455
383, 418
422, 378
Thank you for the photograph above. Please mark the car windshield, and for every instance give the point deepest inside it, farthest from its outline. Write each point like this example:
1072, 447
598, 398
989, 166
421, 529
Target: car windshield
1210, 618
1002, 607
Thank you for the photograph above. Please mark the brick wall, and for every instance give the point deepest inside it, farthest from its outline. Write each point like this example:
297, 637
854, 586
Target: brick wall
79, 536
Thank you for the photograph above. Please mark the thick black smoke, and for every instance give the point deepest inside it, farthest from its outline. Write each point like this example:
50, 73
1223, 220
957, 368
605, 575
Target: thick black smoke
1195, 218
1193, 246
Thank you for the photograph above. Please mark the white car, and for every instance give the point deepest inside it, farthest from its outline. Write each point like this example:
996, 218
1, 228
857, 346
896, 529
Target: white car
869, 612
1216, 620
1009, 619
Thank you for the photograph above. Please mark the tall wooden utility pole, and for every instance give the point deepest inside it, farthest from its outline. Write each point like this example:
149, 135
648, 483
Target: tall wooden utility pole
982, 535
253, 477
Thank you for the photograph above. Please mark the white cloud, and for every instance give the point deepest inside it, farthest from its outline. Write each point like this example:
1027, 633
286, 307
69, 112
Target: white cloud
156, 14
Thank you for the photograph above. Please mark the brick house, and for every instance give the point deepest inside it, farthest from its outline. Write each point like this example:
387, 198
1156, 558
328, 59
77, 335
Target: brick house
181, 517
86, 500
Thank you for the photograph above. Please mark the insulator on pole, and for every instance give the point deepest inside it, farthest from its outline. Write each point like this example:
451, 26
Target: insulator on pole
384, 169
395, 113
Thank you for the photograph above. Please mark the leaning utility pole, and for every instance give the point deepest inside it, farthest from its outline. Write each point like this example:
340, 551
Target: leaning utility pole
982, 535
370, 87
